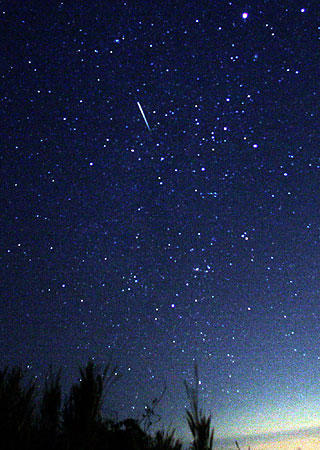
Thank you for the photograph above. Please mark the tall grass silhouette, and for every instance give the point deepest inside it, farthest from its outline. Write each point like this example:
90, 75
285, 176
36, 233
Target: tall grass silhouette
165, 440
198, 422
48, 423
82, 416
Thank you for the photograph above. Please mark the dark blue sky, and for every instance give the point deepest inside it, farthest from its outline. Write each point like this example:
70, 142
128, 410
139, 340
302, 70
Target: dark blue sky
199, 240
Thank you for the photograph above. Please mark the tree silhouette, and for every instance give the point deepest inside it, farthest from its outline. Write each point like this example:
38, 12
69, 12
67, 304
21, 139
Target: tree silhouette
50, 411
16, 410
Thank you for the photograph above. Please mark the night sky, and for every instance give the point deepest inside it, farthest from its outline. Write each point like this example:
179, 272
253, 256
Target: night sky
196, 240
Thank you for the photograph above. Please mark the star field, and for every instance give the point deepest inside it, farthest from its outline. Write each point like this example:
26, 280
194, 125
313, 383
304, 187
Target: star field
197, 241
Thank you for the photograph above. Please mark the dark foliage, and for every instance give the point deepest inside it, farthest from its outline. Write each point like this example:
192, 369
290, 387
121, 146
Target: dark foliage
199, 423
149, 416
166, 440
82, 411
77, 425
50, 415
16, 410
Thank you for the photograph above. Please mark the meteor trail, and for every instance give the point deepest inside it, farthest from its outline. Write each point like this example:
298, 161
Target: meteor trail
144, 117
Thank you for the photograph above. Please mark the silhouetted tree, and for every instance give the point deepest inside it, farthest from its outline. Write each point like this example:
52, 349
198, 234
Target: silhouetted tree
16, 410
50, 412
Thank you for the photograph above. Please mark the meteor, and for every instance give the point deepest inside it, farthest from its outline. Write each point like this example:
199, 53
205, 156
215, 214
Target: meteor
144, 117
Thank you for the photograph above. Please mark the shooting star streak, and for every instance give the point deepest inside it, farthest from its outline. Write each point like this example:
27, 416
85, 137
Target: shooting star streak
144, 117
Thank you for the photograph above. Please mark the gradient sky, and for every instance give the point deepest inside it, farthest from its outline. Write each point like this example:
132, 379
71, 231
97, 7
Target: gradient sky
198, 240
